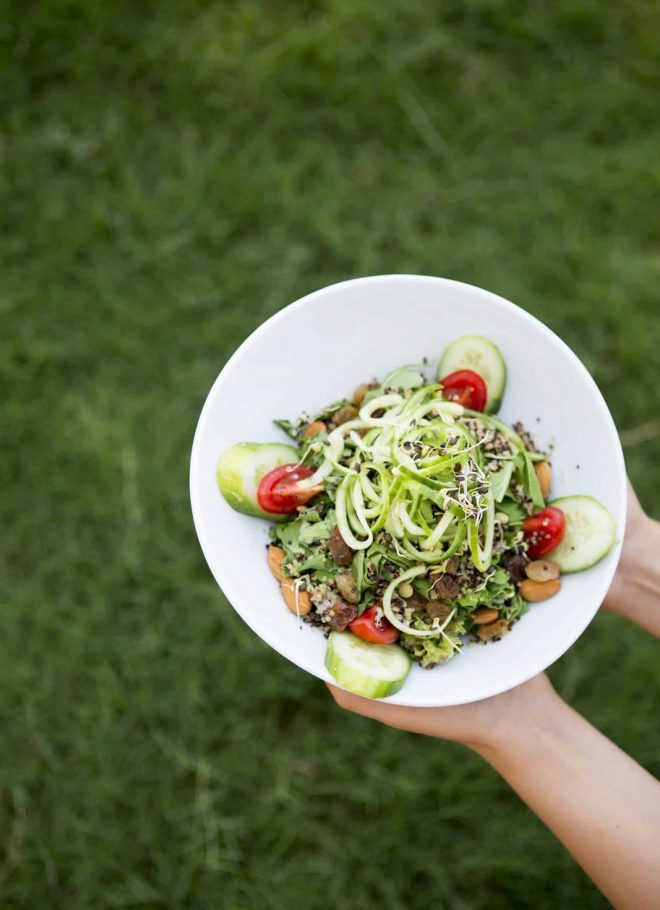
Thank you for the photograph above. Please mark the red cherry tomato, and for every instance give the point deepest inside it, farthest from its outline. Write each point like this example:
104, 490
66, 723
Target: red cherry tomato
279, 491
378, 631
544, 531
467, 388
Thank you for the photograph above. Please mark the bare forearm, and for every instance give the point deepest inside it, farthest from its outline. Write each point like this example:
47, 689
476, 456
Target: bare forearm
603, 807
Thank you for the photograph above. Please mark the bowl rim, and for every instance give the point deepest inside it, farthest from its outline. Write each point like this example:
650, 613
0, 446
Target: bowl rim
232, 593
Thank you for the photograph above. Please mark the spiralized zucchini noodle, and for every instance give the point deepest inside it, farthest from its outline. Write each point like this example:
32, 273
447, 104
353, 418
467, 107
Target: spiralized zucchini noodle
409, 467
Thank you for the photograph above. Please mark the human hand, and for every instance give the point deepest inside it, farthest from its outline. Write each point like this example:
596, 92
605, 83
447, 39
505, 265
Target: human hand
479, 724
635, 591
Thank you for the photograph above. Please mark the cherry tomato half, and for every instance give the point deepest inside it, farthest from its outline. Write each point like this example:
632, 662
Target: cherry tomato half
378, 631
544, 531
467, 388
279, 491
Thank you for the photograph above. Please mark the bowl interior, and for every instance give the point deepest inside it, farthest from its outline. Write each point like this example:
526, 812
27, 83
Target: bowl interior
316, 351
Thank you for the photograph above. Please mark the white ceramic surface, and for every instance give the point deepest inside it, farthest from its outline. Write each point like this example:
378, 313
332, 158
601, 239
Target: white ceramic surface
317, 350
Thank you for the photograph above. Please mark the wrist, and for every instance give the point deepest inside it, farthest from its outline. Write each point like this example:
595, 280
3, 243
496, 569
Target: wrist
521, 715
637, 582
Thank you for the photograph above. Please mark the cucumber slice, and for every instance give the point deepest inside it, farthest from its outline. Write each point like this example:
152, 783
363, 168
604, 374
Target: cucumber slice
474, 352
373, 671
241, 468
590, 533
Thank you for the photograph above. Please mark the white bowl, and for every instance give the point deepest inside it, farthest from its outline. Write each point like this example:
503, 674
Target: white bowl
318, 350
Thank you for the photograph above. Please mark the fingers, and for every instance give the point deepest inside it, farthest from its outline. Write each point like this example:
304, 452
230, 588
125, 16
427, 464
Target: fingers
413, 720
355, 703
473, 723
393, 715
426, 721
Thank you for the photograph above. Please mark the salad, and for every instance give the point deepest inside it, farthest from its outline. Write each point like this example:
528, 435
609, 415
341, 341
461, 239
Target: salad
410, 520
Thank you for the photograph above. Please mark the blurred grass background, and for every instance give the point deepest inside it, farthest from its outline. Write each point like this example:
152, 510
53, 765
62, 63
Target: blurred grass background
172, 174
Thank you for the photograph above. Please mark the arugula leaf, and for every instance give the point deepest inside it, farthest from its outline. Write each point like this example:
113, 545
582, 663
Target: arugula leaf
500, 480
513, 608
499, 590
326, 413
323, 568
512, 510
532, 482
366, 601
288, 427
357, 568
436, 650
402, 378
287, 533
319, 530
310, 515
537, 456
423, 585
378, 552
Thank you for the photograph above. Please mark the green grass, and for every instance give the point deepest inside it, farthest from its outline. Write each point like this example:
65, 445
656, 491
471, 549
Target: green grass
173, 173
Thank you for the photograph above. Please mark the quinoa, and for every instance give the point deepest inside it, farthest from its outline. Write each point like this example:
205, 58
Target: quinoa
526, 436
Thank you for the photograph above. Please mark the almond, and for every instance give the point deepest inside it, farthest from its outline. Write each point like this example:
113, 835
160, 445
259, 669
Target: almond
317, 426
483, 615
492, 629
539, 590
542, 570
296, 600
359, 393
544, 477
275, 559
